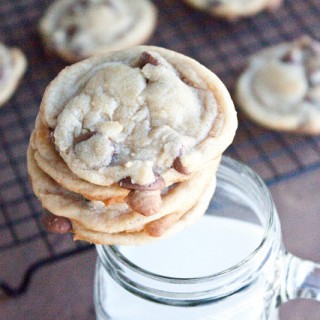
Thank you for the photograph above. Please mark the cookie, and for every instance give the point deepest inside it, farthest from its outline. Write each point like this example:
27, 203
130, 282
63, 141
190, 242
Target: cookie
280, 88
123, 139
12, 67
233, 9
76, 29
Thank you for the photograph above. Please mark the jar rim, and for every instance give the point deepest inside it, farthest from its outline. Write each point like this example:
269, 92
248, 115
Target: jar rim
226, 164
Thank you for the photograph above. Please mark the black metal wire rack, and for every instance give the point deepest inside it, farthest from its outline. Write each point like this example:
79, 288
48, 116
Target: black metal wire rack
221, 46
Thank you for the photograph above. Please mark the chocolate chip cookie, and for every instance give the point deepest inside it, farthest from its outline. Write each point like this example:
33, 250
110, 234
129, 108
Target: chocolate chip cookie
280, 88
76, 29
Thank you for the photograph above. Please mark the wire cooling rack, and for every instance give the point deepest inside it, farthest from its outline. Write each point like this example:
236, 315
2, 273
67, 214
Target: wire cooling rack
221, 46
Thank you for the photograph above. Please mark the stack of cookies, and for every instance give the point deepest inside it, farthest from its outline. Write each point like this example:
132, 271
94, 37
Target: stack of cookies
127, 144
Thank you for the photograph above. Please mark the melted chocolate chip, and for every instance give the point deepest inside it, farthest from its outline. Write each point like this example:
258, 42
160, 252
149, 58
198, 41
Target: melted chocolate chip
187, 81
147, 57
292, 56
56, 224
71, 31
158, 184
177, 165
84, 137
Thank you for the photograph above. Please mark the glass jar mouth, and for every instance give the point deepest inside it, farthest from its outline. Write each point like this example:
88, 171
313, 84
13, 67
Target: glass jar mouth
227, 165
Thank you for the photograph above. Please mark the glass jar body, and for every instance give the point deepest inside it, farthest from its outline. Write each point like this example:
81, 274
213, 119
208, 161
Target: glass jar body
248, 289
257, 302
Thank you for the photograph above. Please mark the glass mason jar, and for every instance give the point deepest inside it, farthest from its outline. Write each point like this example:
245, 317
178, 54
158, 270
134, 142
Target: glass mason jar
232, 267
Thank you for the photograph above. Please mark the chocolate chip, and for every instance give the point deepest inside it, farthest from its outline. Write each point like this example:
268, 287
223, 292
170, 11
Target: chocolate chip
147, 57
56, 224
84, 137
71, 31
177, 165
158, 184
292, 56
187, 81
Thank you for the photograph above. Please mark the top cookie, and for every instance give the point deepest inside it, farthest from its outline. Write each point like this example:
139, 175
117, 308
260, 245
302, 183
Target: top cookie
232, 9
280, 89
12, 66
140, 116
81, 28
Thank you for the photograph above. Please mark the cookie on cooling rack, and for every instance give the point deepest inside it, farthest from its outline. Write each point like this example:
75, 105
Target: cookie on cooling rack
233, 9
280, 88
76, 29
12, 67
123, 139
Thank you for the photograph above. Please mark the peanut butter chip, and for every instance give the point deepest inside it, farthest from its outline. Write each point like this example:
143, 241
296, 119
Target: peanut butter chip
56, 224
144, 202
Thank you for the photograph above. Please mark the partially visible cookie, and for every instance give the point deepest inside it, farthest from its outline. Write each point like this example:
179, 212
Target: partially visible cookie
12, 66
76, 29
280, 89
232, 9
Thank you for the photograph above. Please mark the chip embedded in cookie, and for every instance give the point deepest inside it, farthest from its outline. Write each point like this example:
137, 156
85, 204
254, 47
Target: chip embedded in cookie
280, 88
132, 135
12, 67
234, 9
76, 29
